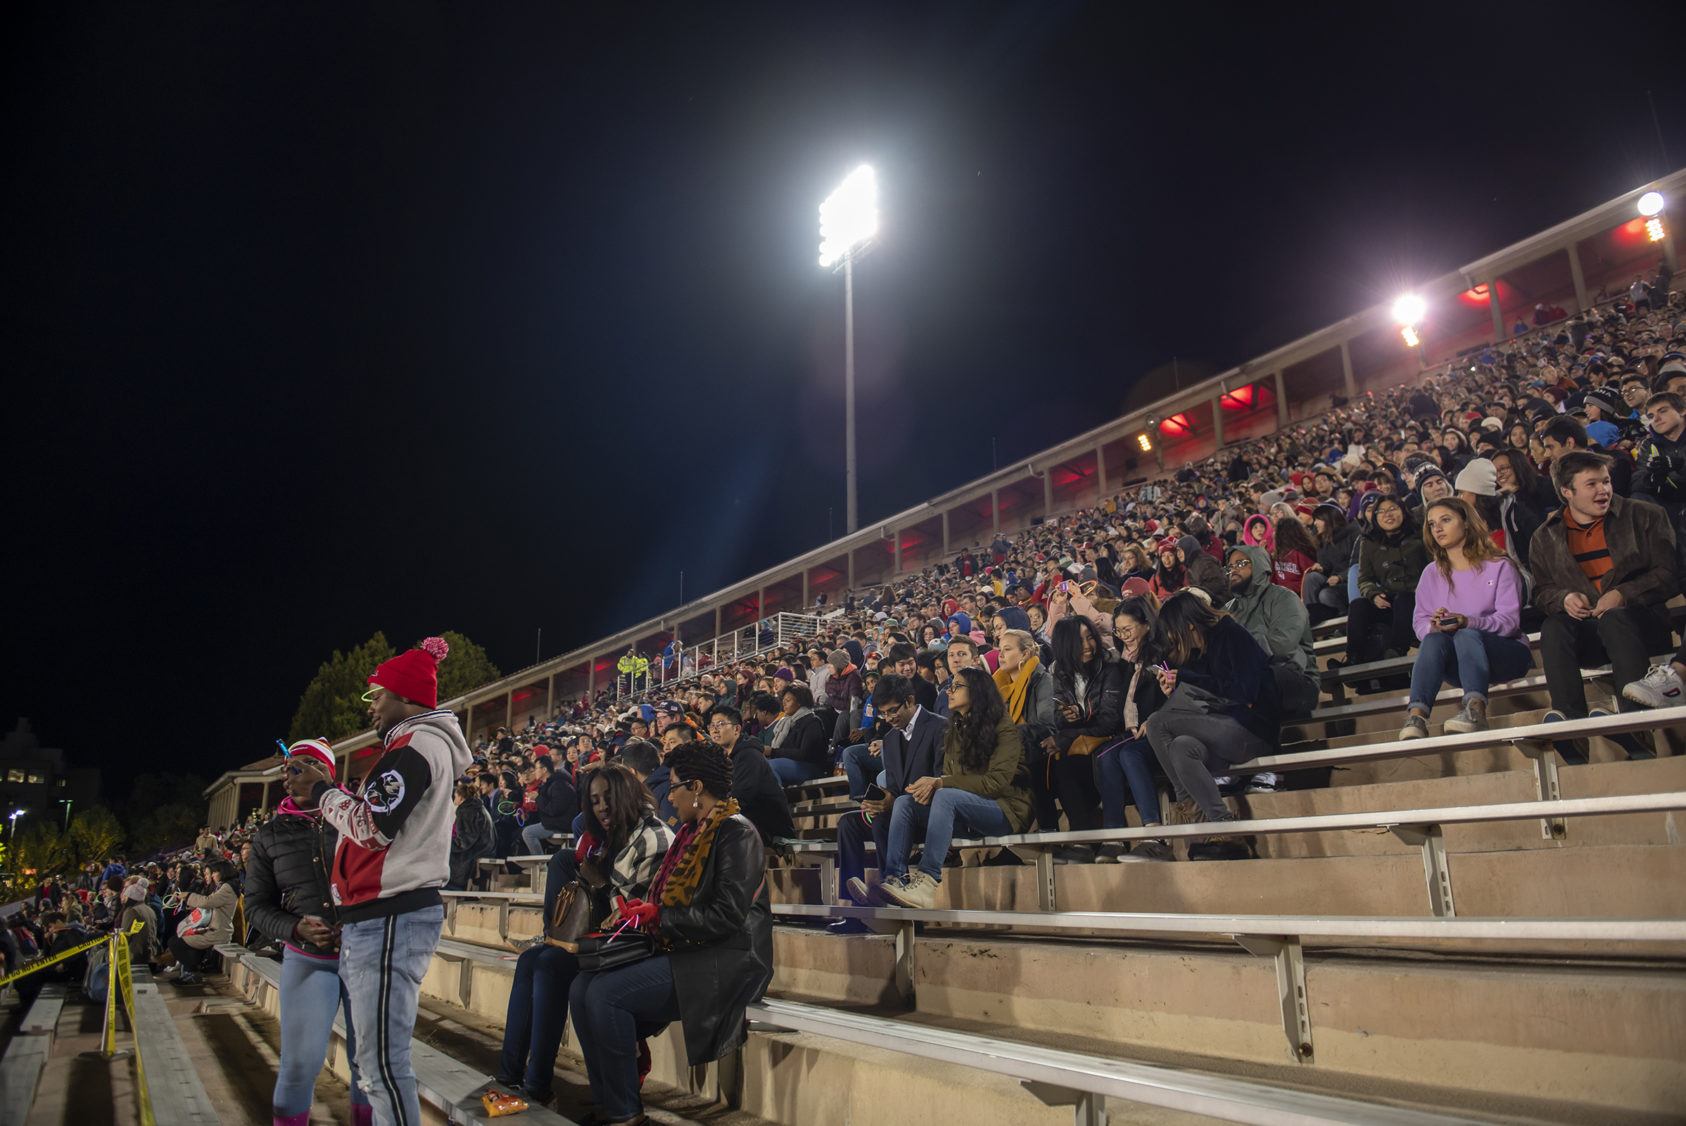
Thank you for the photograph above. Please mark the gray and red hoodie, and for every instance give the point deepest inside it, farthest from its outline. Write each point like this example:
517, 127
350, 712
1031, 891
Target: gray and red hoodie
395, 837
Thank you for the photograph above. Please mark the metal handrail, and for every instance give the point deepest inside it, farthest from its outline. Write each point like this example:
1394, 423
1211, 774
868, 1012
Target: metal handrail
1236, 1100
1606, 806
1265, 926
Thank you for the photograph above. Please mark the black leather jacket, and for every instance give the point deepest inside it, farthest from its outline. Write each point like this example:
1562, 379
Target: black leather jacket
288, 877
722, 943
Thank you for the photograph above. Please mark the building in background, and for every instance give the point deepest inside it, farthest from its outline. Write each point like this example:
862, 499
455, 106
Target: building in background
39, 780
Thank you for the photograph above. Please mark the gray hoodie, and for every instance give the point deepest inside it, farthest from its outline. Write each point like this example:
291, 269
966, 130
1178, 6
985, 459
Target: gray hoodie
395, 836
1273, 614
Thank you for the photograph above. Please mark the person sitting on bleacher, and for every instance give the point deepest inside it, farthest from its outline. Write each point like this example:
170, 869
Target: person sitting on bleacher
1124, 769
1391, 558
617, 855
797, 748
912, 749
984, 790
1222, 707
1279, 622
709, 914
1603, 569
1467, 618
1088, 701
754, 784
1027, 688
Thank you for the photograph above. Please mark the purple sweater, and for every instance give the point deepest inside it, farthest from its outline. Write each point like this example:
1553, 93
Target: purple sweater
1490, 596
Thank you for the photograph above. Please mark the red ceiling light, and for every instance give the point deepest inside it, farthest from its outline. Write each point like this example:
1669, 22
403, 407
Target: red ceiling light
1177, 426
1240, 399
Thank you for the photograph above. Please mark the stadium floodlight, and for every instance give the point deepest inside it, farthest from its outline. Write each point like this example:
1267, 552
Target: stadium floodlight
1651, 203
1408, 310
1144, 442
13, 818
848, 222
849, 216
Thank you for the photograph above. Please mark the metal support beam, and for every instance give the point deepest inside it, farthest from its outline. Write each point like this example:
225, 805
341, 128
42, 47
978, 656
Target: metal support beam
995, 510
509, 711
1578, 277
1281, 398
1218, 420
1290, 988
1432, 840
1048, 491
1498, 313
829, 892
897, 551
1100, 470
1347, 380
851, 568
1088, 1108
1046, 897
904, 962
945, 533
1546, 786
807, 601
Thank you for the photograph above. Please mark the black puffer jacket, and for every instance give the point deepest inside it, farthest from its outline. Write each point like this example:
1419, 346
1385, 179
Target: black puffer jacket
288, 876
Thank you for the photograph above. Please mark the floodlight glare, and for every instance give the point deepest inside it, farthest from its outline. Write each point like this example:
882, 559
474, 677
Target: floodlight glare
1651, 203
849, 216
1409, 309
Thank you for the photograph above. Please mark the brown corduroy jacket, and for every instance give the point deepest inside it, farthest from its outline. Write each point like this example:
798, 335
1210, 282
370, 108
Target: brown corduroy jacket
1641, 542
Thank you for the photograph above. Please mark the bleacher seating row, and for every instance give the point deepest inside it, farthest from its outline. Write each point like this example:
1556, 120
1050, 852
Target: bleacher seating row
1525, 836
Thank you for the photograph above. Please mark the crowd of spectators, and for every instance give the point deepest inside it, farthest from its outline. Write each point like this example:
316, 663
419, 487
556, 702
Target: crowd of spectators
1048, 680
1139, 646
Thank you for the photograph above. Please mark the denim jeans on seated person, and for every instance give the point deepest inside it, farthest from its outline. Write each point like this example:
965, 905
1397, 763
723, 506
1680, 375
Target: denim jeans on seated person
537, 1013
1471, 658
935, 824
862, 766
1124, 771
612, 1010
793, 772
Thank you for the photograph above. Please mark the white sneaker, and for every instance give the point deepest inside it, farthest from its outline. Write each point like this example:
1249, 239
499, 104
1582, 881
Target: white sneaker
918, 891
1660, 687
1264, 782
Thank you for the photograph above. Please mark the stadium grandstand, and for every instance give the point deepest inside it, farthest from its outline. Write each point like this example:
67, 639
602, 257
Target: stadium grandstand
1384, 866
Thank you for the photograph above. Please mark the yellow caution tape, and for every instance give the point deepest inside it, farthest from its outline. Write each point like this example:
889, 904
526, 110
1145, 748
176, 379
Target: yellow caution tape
63, 955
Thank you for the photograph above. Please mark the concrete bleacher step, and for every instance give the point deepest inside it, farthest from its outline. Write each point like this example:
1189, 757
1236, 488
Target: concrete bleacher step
1485, 1038
25, 1057
1597, 881
1413, 783
449, 1088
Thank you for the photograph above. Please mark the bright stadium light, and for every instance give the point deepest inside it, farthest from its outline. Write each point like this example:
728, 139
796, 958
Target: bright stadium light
848, 222
1651, 203
849, 216
1408, 310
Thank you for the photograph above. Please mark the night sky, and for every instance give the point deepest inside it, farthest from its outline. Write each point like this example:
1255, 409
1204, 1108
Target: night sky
326, 319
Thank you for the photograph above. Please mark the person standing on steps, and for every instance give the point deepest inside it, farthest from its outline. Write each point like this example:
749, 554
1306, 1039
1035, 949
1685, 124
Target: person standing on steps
393, 857
288, 900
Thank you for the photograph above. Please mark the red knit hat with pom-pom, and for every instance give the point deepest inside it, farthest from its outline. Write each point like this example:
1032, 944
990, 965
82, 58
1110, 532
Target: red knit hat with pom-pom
414, 674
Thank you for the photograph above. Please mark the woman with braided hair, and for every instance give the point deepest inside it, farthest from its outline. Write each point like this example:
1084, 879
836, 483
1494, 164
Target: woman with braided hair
708, 911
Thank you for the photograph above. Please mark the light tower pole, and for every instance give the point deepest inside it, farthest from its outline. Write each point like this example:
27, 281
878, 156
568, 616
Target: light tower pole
848, 222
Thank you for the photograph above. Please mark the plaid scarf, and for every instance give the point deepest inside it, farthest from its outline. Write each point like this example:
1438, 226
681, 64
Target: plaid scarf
682, 870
